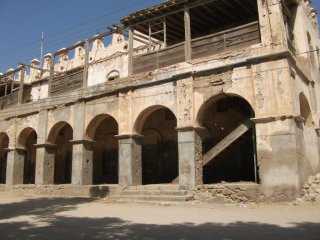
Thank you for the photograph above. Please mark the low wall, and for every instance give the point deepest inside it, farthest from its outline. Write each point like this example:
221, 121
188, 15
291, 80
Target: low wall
238, 192
215, 193
98, 191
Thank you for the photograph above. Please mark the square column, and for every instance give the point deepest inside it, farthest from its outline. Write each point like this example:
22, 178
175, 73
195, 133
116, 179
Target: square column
130, 160
45, 163
281, 157
15, 166
82, 162
190, 158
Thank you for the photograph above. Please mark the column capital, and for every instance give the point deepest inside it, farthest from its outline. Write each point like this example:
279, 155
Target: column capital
273, 118
45, 145
18, 149
190, 128
129, 135
82, 141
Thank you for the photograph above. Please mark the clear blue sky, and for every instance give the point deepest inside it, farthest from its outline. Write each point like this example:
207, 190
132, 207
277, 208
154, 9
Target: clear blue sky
21, 23
64, 22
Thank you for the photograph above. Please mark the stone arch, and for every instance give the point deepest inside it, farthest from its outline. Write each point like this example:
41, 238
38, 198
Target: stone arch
4, 143
158, 125
54, 131
201, 111
95, 123
102, 130
144, 114
23, 136
26, 141
219, 116
60, 135
305, 111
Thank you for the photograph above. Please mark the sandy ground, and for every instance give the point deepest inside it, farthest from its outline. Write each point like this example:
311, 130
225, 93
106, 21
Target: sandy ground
56, 218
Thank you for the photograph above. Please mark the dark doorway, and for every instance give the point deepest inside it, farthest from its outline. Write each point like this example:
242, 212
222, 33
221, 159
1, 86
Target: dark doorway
29, 169
159, 148
4, 142
236, 162
63, 156
105, 155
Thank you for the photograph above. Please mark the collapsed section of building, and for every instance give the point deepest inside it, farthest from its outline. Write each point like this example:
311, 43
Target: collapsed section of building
204, 99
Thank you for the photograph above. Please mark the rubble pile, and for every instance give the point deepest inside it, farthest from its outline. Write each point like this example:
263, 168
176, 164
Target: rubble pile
311, 189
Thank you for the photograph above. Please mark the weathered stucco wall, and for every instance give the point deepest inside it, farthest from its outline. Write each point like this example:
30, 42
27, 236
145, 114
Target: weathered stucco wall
277, 83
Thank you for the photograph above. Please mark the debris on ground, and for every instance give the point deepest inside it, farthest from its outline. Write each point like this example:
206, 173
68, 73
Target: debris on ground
311, 189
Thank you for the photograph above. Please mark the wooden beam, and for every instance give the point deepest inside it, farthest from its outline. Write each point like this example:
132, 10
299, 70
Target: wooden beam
213, 15
86, 64
38, 68
51, 74
20, 94
172, 24
149, 40
146, 38
227, 141
187, 33
233, 7
130, 51
226, 13
6, 89
164, 32
242, 6
11, 87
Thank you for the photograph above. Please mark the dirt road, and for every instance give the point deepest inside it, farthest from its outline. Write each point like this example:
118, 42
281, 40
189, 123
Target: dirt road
45, 219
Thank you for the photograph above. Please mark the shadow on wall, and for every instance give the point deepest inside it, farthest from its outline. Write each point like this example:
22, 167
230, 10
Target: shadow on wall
48, 224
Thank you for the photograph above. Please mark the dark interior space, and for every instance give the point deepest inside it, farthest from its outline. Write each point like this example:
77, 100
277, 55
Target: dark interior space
29, 170
215, 27
105, 152
207, 17
63, 157
4, 142
160, 148
236, 162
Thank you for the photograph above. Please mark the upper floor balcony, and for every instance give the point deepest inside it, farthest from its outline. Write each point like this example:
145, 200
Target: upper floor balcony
166, 34
179, 31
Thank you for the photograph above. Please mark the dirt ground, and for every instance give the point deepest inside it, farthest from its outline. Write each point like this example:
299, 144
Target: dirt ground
57, 218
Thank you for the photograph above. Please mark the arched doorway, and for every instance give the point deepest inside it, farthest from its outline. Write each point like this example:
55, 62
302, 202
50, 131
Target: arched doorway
4, 143
221, 116
60, 135
103, 130
27, 139
159, 146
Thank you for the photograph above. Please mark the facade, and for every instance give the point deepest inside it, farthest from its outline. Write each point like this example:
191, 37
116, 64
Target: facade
216, 98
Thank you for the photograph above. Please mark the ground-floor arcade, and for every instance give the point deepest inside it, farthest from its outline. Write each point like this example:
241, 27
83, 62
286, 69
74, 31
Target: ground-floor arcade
177, 133
158, 153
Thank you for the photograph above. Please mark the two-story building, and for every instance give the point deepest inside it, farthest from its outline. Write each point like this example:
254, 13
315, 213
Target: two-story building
212, 99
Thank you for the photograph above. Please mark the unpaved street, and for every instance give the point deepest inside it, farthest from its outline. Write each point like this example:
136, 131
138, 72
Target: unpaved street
45, 218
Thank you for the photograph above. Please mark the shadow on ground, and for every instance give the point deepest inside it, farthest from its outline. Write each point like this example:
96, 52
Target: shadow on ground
47, 225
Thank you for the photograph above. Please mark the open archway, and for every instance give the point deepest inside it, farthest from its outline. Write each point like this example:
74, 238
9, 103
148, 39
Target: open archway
228, 140
159, 145
60, 135
103, 129
27, 139
4, 142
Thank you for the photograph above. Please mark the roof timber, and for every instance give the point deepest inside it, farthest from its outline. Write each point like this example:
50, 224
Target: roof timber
207, 17
171, 6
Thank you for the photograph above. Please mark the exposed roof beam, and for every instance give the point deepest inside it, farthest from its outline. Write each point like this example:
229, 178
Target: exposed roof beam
221, 9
